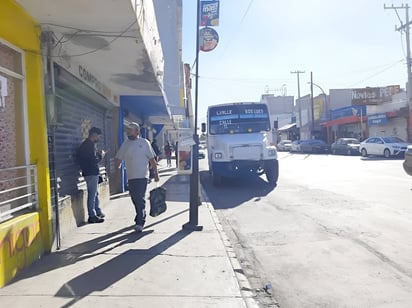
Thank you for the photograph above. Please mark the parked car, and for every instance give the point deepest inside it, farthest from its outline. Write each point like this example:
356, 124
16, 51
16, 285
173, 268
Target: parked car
314, 146
383, 146
407, 163
201, 151
347, 146
295, 146
284, 145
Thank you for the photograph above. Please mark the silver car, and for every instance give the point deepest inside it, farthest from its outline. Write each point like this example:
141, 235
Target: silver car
383, 146
284, 145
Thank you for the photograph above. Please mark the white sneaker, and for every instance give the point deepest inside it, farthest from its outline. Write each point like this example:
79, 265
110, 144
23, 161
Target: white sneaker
138, 228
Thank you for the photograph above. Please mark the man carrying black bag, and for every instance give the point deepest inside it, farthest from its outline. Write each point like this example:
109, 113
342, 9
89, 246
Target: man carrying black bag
137, 153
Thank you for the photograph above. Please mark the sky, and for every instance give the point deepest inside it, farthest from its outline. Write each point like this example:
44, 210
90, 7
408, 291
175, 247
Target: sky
344, 43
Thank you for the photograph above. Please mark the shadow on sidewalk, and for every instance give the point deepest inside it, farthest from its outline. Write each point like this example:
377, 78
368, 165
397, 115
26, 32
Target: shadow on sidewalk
82, 251
88, 249
106, 274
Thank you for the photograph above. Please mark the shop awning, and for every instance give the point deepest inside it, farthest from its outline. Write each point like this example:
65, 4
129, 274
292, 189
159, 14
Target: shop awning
287, 126
345, 120
109, 39
151, 109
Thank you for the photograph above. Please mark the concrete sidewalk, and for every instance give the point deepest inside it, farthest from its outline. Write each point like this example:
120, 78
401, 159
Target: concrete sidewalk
110, 265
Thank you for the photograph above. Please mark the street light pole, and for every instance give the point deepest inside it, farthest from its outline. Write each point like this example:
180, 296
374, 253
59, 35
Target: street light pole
192, 225
311, 91
312, 104
319, 87
300, 103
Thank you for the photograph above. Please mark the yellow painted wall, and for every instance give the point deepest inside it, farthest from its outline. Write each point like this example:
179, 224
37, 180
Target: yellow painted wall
20, 245
20, 30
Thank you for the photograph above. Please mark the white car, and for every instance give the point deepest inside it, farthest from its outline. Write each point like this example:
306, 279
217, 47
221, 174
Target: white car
383, 146
295, 146
284, 145
201, 151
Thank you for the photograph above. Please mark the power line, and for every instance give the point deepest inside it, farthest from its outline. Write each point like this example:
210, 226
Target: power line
377, 73
116, 37
237, 28
405, 27
246, 12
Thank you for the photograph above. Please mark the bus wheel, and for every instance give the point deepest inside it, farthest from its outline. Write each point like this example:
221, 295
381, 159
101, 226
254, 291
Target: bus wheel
217, 179
272, 172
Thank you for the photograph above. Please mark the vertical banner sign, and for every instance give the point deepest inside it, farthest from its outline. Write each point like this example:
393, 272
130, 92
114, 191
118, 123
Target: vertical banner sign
184, 150
317, 105
209, 13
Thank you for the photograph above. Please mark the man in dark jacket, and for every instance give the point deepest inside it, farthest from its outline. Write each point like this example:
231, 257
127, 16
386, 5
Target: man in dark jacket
89, 162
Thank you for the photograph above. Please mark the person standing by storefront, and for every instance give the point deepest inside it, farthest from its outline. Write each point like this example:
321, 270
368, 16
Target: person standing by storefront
137, 153
89, 160
168, 154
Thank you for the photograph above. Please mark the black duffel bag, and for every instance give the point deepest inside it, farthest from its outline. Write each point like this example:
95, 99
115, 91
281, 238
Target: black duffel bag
157, 201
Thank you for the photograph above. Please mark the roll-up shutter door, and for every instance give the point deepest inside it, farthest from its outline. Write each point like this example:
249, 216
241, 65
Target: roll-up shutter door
75, 114
79, 107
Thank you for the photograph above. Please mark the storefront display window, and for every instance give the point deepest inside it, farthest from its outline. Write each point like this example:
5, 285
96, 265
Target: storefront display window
12, 141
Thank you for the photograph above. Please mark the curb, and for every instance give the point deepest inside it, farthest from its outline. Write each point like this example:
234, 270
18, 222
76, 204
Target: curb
245, 288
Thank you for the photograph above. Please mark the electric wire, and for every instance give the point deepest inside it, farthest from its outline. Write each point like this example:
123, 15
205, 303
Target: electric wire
378, 73
237, 29
116, 34
105, 46
79, 29
60, 42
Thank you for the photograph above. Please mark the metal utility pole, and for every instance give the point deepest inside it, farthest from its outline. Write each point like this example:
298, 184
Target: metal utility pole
192, 225
297, 72
312, 104
405, 27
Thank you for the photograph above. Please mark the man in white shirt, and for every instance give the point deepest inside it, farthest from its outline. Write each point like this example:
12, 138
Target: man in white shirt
137, 153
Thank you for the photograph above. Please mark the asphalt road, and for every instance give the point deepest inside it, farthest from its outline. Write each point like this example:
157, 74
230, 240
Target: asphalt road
335, 232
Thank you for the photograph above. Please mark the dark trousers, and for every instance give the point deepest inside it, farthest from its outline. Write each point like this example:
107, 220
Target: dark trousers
137, 189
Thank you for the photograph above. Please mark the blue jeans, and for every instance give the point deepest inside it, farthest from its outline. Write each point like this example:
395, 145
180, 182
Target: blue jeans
137, 189
93, 208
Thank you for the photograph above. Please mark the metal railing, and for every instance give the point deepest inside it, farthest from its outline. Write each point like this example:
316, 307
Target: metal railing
18, 191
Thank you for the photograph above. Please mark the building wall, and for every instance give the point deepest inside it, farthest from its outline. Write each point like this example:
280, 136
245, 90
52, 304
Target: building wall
278, 104
20, 30
394, 127
169, 19
339, 98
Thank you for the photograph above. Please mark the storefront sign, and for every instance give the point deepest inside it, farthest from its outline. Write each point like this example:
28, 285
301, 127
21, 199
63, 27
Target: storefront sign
318, 108
85, 74
373, 96
209, 13
348, 111
377, 119
94, 82
208, 39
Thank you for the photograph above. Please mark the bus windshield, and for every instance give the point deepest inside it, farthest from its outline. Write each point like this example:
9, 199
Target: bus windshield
238, 119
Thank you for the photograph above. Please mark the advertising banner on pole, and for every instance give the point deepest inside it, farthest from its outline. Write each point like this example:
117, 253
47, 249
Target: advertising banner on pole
208, 39
209, 13
184, 150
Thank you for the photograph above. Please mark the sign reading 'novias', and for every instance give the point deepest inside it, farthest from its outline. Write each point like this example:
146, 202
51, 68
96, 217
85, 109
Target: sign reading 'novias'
373, 96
